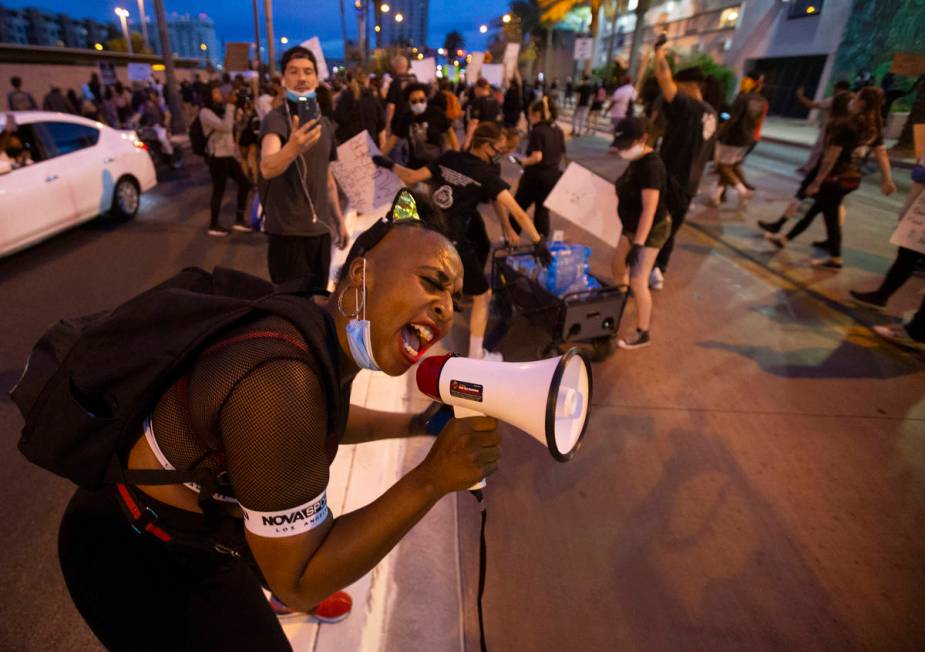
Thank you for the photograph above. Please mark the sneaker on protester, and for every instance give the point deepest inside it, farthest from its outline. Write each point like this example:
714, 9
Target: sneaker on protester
776, 239
656, 279
869, 299
898, 334
218, 231
242, 227
827, 263
638, 340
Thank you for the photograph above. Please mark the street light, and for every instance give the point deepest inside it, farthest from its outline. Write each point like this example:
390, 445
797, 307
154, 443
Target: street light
203, 47
399, 18
459, 53
377, 29
483, 29
123, 14
506, 18
420, 56
98, 46
283, 40
384, 7
441, 52
456, 62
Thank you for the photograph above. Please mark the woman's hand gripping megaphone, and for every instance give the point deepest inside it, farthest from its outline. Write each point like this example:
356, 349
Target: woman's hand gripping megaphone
466, 451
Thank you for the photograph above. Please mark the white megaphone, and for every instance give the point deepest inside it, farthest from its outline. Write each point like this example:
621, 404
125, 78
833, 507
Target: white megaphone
550, 400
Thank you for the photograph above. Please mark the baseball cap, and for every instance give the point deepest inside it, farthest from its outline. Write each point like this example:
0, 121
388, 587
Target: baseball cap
628, 131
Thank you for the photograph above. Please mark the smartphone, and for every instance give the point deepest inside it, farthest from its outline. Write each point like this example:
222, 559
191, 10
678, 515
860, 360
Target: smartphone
514, 159
661, 40
308, 109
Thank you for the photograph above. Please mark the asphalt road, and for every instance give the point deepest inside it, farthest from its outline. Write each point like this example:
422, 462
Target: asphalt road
754, 480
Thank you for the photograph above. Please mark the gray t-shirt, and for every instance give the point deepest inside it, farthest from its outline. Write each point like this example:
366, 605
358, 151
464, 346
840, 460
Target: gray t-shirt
288, 209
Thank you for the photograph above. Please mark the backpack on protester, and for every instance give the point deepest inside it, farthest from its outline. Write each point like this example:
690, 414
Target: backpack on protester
90, 381
20, 101
421, 149
198, 141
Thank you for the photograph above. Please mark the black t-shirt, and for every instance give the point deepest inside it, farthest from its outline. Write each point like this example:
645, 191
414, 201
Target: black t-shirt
355, 115
549, 139
849, 135
747, 110
647, 172
250, 131
396, 92
585, 91
690, 127
484, 109
431, 125
461, 181
288, 209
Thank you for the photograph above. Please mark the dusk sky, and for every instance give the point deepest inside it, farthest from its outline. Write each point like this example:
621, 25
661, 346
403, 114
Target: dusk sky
295, 19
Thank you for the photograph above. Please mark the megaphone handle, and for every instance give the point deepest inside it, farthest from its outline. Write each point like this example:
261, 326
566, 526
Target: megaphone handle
462, 413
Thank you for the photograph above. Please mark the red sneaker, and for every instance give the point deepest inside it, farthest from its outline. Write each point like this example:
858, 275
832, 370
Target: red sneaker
332, 609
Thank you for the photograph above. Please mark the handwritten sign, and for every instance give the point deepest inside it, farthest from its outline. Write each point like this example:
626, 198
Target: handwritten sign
366, 186
588, 201
474, 68
425, 70
910, 233
494, 73
314, 44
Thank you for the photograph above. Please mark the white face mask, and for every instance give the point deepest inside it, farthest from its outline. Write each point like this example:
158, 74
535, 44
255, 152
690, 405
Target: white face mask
419, 108
633, 152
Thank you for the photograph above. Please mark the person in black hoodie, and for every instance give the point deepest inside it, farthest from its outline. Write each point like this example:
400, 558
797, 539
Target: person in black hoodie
545, 149
357, 109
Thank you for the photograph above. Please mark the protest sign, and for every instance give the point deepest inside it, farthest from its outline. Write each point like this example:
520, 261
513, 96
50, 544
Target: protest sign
474, 68
494, 74
588, 201
314, 44
366, 186
237, 56
511, 55
910, 232
583, 48
139, 72
425, 70
107, 73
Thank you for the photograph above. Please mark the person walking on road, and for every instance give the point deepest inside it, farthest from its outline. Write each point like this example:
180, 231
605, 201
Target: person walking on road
18, 99
621, 104
839, 172
690, 130
824, 107
583, 105
297, 187
597, 106
483, 108
545, 149
641, 206
217, 118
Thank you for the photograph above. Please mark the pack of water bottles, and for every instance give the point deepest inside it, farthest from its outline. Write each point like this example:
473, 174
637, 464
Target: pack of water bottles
567, 273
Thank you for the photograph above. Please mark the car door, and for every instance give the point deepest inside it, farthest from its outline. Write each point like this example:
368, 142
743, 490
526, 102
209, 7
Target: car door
85, 166
34, 198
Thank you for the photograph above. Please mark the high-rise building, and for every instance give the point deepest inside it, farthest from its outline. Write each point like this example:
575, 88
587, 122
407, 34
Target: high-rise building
32, 26
191, 37
411, 30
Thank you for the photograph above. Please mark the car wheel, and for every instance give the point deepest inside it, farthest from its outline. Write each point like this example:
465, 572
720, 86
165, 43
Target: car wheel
126, 198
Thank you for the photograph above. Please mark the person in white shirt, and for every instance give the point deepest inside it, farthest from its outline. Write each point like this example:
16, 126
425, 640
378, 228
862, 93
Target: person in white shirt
266, 99
620, 101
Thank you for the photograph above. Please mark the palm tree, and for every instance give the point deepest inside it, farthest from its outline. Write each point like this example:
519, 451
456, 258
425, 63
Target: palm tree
553, 11
453, 41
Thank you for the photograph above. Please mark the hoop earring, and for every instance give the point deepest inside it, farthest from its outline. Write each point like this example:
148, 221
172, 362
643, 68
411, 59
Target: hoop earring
356, 303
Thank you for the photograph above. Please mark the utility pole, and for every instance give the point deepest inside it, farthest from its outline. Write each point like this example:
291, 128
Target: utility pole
257, 42
173, 92
271, 44
343, 28
144, 25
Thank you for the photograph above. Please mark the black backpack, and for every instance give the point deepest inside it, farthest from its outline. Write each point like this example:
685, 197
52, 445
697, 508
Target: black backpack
198, 141
90, 381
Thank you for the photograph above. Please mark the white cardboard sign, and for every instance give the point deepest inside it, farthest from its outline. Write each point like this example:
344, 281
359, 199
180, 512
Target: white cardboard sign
139, 71
588, 201
366, 186
910, 232
511, 56
425, 70
314, 44
584, 47
474, 67
494, 74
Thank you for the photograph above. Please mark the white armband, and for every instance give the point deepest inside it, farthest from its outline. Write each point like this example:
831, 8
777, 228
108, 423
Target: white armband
288, 522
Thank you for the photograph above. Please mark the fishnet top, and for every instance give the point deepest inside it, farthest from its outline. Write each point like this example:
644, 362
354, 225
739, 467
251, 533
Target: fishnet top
254, 405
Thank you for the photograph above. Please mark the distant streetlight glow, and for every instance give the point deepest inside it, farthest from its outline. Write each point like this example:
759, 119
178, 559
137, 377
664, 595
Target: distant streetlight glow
420, 56
810, 9
377, 28
456, 62
121, 13
358, 4
385, 8
399, 18
483, 29
283, 40
506, 18
415, 50
441, 52
203, 47
98, 46
459, 53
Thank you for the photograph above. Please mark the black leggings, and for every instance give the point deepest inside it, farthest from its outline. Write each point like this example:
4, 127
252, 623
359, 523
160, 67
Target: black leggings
138, 593
900, 271
534, 189
827, 201
220, 169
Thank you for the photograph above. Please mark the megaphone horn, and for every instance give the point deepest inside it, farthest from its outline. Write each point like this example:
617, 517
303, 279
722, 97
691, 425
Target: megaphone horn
550, 400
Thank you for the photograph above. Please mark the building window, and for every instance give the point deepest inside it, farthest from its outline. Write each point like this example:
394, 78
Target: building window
729, 18
804, 8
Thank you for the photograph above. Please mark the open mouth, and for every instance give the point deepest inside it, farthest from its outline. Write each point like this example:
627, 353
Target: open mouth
415, 339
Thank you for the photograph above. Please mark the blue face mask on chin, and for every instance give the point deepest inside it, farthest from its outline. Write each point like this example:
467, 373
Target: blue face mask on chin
292, 96
359, 331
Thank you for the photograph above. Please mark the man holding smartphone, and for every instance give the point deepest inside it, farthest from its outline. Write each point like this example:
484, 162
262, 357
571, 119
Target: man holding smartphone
296, 184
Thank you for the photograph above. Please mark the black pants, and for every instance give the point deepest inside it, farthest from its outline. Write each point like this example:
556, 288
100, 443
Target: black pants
139, 593
827, 201
916, 327
678, 202
900, 271
534, 188
221, 168
292, 257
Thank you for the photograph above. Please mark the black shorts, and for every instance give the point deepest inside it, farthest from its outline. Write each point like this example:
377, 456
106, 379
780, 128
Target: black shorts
474, 280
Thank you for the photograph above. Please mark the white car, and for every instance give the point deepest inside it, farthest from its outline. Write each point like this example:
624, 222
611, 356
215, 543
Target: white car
59, 170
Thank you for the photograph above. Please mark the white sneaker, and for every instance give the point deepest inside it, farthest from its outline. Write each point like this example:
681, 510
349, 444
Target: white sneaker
656, 279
